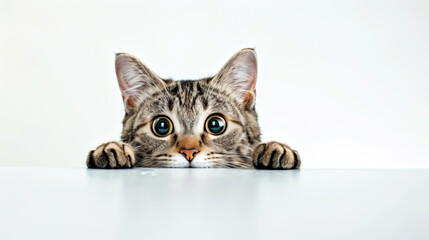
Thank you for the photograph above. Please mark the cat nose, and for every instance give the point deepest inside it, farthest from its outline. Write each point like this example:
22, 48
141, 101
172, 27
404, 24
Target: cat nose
189, 153
188, 145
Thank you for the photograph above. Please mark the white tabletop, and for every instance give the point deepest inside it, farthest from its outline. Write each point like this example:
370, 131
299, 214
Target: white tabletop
77, 203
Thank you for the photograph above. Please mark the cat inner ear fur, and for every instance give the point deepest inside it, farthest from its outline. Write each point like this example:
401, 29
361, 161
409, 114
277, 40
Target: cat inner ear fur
135, 80
238, 77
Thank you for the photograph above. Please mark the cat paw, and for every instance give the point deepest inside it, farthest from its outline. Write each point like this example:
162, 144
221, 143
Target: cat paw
274, 155
111, 155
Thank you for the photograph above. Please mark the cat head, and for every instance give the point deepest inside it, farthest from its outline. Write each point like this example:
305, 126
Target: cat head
209, 122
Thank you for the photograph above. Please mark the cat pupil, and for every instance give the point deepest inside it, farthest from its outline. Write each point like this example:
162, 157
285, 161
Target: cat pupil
216, 125
162, 127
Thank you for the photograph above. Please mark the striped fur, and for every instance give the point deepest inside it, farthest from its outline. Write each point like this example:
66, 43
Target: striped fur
187, 104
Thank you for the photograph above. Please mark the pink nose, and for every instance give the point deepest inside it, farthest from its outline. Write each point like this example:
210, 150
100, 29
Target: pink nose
189, 153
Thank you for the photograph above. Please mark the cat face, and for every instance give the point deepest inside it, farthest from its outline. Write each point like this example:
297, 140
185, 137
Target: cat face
209, 122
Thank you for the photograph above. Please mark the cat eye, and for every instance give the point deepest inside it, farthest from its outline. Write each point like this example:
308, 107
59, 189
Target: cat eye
215, 124
162, 126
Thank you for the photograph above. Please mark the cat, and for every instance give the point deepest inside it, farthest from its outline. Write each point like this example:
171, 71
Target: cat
206, 123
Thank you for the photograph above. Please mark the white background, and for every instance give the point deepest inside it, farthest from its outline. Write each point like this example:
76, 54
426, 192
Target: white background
343, 82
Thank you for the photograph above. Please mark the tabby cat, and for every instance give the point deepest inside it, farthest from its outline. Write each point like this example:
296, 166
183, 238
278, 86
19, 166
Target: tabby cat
206, 123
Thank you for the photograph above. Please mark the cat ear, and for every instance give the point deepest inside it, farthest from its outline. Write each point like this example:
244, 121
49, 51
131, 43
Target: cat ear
135, 80
238, 77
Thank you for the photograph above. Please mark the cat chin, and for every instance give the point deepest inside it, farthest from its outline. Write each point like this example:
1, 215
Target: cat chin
198, 162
